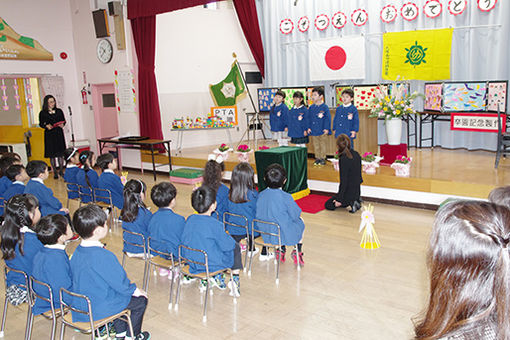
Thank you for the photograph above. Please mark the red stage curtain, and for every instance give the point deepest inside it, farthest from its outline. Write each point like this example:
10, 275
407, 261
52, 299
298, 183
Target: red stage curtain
145, 8
247, 14
144, 35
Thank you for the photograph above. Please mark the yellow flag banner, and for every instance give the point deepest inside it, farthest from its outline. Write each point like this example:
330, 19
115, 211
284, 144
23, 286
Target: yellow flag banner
423, 55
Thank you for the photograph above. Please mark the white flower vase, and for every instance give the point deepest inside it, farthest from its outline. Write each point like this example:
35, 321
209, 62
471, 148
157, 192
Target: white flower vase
223, 154
243, 156
401, 170
335, 163
394, 131
369, 167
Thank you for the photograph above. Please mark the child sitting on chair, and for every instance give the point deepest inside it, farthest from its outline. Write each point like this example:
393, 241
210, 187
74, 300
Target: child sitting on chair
109, 180
165, 226
135, 217
51, 264
97, 273
18, 175
204, 232
72, 158
213, 173
86, 176
48, 203
277, 206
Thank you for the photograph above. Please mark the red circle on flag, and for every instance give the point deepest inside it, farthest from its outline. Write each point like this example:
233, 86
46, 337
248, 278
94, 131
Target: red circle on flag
335, 58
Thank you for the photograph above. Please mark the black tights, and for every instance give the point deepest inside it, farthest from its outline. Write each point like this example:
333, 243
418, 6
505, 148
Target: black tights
61, 164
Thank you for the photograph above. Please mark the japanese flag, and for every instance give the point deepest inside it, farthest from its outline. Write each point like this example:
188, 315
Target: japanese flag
338, 58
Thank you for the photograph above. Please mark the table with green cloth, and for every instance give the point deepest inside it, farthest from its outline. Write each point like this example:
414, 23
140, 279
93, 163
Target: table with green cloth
294, 161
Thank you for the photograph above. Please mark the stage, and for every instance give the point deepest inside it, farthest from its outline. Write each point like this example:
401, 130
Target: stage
436, 174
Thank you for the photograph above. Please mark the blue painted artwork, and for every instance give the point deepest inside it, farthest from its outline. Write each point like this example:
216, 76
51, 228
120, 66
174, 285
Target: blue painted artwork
266, 97
462, 97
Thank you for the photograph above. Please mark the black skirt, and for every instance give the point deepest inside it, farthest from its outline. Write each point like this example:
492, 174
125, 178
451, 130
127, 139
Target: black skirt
54, 141
300, 140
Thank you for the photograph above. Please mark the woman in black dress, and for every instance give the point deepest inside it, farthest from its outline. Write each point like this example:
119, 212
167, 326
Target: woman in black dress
350, 177
52, 120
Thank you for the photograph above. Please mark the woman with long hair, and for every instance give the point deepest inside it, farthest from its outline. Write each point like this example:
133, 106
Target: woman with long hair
350, 177
469, 267
52, 120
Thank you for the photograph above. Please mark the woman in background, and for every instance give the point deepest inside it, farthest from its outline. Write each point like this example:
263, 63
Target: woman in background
52, 120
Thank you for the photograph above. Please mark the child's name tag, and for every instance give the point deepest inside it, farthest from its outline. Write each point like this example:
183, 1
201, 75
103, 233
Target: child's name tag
278, 113
349, 116
320, 115
300, 118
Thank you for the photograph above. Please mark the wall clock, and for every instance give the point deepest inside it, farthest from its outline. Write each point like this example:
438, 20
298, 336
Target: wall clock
104, 51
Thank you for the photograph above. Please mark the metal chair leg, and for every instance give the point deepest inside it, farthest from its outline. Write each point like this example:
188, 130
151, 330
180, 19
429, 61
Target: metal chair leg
30, 317
176, 306
277, 269
147, 277
204, 317
62, 329
171, 289
53, 327
123, 259
3, 318
130, 326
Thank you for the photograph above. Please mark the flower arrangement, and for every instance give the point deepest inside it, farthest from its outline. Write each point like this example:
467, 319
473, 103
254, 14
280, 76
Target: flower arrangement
398, 104
368, 157
370, 162
402, 166
243, 148
403, 160
263, 147
224, 147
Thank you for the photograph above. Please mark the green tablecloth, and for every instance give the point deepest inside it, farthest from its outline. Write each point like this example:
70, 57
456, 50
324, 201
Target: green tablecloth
294, 161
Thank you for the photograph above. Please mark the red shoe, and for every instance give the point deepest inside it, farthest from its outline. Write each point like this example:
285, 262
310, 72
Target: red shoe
280, 255
295, 258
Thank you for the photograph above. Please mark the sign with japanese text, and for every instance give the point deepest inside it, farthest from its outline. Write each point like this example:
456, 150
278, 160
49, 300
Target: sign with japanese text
225, 113
482, 122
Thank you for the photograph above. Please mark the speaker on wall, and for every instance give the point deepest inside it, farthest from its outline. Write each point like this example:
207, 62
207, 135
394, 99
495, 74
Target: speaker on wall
114, 8
253, 78
101, 23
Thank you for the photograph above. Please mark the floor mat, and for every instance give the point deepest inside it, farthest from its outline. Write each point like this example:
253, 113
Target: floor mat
312, 204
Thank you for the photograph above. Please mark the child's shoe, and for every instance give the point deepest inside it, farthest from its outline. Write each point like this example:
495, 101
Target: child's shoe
142, 336
253, 252
242, 246
111, 330
218, 280
280, 255
296, 258
317, 162
266, 257
235, 286
187, 279
203, 285
163, 272
101, 333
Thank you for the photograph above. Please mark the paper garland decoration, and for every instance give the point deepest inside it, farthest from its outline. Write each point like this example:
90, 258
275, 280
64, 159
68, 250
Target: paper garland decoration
433, 96
486, 5
457, 7
289, 92
266, 97
409, 11
3, 87
303, 24
433, 8
321, 22
359, 17
286, 26
497, 94
388, 13
339, 20
464, 97
16, 95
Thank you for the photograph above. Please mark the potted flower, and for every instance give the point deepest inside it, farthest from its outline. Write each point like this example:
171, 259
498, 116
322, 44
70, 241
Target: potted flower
335, 161
264, 147
243, 153
402, 165
223, 150
370, 162
393, 108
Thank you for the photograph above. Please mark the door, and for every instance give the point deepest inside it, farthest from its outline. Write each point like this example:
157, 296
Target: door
105, 112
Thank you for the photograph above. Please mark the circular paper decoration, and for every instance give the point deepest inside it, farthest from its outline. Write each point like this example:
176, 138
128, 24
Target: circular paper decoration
432, 8
359, 17
409, 11
335, 58
286, 26
456, 7
303, 24
63, 55
339, 20
389, 13
486, 5
321, 22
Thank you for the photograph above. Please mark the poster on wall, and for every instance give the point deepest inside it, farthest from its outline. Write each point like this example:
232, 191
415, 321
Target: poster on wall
54, 85
266, 97
364, 94
496, 96
125, 91
18, 47
308, 95
433, 97
338, 94
289, 92
469, 96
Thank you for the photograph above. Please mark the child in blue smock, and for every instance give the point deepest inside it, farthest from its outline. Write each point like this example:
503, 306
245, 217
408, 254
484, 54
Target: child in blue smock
298, 121
18, 175
48, 203
165, 226
72, 158
346, 119
213, 174
278, 206
109, 180
19, 243
135, 217
86, 176
320, 125
204, 232
278, 117
51, 264
97, 273
5, 162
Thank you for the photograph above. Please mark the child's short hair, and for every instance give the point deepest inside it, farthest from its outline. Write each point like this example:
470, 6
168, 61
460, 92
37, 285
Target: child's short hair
35, 168
163, 193
11, 154
319, 90
280, 93
13, 171
87, 218
6, 162
50, 228
275, 176
500, 196
103, 160
348, 92
202, 198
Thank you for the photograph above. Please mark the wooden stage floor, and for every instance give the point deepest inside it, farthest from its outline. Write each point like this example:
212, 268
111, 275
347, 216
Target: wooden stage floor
439, 171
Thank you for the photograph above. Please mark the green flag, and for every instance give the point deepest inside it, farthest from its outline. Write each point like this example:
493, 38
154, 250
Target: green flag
230, 89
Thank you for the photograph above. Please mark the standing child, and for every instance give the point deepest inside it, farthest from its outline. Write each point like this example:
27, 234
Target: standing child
320, 125
86, 176
278, 117
97, 273
48, 203
72, 158
19, 243
298, 121
275, 205
109, 180
204, 232
165, 226
213, 174
51, 264
346, 119
18, 175
135, 216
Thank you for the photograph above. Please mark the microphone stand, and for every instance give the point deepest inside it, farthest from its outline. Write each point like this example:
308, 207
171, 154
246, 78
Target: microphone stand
72, 128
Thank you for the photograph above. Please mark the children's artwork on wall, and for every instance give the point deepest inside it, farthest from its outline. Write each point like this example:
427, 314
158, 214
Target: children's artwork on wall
338, 94
464, 96
497, 94
266, 97
308, 95
289, 92
364, 94
433, 96
406, 88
